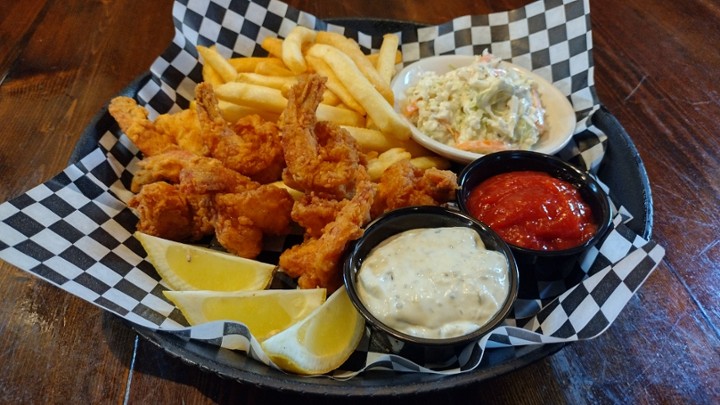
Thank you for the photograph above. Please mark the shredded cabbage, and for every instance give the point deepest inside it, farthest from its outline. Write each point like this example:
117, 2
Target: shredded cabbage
481, 107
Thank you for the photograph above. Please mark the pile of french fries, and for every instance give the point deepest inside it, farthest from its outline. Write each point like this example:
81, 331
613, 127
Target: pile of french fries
358, 95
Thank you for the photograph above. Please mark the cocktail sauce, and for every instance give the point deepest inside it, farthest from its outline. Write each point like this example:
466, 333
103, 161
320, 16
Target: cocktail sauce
533, 210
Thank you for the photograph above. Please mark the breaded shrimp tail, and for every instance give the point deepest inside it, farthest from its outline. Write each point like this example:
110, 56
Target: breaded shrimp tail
320, 156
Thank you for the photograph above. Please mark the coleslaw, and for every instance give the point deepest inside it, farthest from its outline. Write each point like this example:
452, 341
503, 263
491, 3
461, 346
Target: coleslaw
483, 107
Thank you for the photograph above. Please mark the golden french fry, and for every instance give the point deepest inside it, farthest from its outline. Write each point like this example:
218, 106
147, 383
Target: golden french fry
415, 149
334, 84
292, 48
377, 107
273, 67
211, 76
252, 95
386, 57
295, 194
373, 57
273, 46
374, 140
246, 64
426, 162
370, 139
218, 62
376, 167
331, 98
271, 101
276, 82
351, 48
232, 112
339, 115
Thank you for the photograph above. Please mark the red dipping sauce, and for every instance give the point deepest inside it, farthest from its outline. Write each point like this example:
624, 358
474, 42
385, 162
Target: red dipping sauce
533, 210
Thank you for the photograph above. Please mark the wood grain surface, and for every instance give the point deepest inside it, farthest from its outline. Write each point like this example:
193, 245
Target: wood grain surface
657, 69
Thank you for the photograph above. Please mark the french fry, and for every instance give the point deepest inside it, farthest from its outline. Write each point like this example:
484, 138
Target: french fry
339, 116
377, 107
246, 64
334, 84
373, 58
273, 67
276, 82
252, 95
271, 101
292, 48
376, 167
233, 112
295, 194
218, 62
369, 139
426, 162
331, 98
351, 48
374, 140
273, 46
386, 57
211, 76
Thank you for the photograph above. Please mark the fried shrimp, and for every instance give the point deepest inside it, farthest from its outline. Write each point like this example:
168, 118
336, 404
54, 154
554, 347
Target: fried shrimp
209, 175
316, 261
251, 146
320, 156
403, 185
169, 131
313, 213
243, 218
163, 211
165, 166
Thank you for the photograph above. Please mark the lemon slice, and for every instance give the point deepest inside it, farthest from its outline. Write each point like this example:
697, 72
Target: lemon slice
322, 341
190, 267
265, 312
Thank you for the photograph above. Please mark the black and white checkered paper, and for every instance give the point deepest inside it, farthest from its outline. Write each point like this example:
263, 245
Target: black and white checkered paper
75, 231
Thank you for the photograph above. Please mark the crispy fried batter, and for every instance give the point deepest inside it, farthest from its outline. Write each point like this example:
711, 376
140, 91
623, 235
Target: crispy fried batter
313, 213
404, 185
316, 262
251, 147
163, 211
187, 197
167, 132
243, 218
268, 207
208, 175
320, 156
165, 166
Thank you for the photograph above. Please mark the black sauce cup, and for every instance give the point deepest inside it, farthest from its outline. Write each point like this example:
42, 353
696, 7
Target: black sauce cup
405, 219
590, 191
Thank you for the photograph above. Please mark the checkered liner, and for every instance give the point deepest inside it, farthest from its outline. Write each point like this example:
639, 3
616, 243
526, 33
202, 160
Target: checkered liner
75, 231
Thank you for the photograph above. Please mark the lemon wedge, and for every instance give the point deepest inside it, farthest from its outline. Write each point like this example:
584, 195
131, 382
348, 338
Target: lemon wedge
322, 341
190, 267
265, 312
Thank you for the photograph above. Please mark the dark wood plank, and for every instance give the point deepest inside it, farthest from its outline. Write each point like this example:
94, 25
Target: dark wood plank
62, 62
666, 97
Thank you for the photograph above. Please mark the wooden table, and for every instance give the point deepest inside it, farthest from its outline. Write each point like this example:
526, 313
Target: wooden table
656, 70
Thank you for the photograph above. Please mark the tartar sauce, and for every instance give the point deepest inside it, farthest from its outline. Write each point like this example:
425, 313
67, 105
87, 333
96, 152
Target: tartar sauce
434, 282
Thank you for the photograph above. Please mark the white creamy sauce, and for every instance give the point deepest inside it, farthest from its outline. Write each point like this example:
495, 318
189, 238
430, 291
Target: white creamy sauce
434, 283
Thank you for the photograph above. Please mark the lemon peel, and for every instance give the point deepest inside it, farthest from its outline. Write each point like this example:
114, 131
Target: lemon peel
322, 341
265, 312
190, 267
